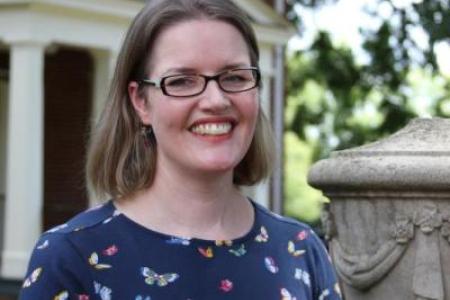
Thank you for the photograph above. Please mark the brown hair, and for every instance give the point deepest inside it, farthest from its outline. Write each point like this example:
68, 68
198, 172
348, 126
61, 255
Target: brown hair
118, 162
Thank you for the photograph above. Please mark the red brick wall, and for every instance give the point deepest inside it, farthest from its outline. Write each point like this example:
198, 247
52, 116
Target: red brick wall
68, 98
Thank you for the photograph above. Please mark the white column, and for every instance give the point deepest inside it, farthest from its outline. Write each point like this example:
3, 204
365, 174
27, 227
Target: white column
104, 62
103, 71
261, 192
3, 126
278, 119
278, 129
24, 170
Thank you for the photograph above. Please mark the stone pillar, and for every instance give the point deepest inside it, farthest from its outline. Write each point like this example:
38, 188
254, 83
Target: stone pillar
389, 217
24, 171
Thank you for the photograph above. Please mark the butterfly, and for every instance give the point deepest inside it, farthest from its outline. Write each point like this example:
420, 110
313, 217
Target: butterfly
161, 280
139, 297
337, 289
270, 265
178, 241
111, 250
303, 276
292, 251
262, 237
224, 243
302, 235
44, 245
32, 278
285, 295
324, 294
93, 261
64, 295
206, 252
103, 291
226, 285
238, 251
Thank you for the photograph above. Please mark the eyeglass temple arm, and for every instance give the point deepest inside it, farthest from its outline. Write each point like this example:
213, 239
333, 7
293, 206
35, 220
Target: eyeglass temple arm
155, 82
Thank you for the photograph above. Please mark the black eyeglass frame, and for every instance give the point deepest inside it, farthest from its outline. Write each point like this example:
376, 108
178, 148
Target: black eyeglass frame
159, 82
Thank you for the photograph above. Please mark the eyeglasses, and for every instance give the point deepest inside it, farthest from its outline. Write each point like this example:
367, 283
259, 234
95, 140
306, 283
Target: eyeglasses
188, 85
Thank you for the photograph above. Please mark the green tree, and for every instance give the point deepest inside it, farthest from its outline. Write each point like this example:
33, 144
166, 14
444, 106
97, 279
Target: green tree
335, 103
383, 84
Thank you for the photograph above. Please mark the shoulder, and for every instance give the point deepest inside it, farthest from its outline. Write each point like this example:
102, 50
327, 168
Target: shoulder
92, 217
58, 262
56, 247
67, 241
292, 232
265, 216
50, 253
302, 244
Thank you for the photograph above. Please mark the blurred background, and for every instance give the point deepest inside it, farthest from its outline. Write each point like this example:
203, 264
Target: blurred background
358, 71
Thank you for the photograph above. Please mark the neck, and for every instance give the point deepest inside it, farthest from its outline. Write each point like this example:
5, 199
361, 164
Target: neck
206, 207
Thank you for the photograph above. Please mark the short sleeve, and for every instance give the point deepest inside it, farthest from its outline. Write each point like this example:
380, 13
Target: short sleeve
327, 287
55, 271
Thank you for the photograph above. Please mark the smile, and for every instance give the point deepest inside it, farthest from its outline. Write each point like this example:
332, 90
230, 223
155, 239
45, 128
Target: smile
212, 128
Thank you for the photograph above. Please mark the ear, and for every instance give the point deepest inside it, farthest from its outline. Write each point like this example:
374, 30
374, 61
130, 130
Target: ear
139, 102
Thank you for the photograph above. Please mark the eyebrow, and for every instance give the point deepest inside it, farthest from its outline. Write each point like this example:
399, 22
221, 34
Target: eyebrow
183, 70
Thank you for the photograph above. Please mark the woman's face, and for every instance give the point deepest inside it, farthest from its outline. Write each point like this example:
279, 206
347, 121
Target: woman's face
210, 132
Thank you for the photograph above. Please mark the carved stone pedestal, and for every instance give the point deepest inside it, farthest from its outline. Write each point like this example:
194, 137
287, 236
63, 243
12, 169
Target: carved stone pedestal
389, 217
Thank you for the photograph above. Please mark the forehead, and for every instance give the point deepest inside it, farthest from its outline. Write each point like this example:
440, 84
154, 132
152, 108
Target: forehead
202, 44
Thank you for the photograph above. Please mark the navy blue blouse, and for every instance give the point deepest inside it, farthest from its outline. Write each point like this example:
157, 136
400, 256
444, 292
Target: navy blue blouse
101, 254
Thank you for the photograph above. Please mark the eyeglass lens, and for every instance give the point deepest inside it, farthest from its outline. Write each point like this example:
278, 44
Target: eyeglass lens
231, 81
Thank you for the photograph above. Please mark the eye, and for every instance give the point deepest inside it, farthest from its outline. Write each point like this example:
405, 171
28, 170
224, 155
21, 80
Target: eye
182, 81
230, 78
237, 76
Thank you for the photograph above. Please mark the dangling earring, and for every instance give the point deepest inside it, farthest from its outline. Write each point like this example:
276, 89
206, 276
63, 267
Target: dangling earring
146, 131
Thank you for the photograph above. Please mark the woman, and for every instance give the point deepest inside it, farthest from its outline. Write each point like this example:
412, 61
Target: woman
182, 131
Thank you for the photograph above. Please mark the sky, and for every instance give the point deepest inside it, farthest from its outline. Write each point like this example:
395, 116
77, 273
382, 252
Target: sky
334, 18
343, 20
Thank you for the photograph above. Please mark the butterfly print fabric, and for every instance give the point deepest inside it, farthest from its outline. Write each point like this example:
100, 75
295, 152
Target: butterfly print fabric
103, 255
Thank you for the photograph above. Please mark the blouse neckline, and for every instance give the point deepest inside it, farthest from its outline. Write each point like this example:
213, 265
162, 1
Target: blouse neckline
250, 235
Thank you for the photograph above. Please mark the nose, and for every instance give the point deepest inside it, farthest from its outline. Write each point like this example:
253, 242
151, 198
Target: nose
214, 98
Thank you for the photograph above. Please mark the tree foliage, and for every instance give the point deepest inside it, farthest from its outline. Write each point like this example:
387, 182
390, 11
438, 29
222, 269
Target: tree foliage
336, 116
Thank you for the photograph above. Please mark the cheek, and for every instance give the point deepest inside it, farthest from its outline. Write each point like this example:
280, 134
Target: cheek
167, 114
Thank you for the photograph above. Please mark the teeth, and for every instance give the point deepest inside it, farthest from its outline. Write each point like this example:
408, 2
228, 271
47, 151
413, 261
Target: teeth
212, 128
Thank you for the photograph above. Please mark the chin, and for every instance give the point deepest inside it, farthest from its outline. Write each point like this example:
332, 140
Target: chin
221, 166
